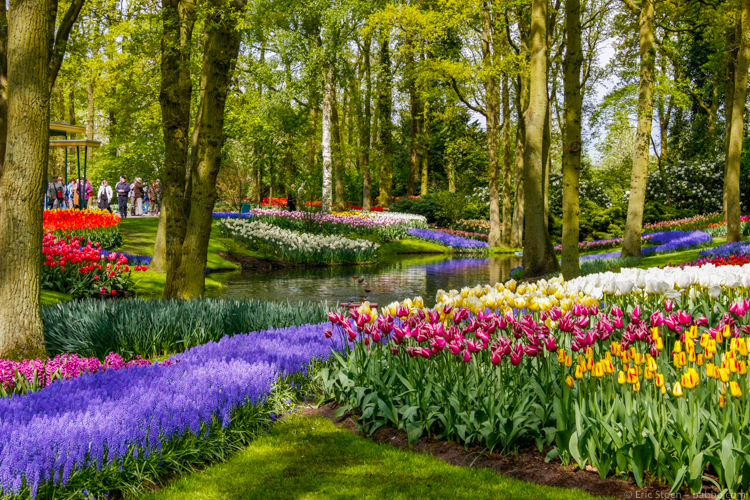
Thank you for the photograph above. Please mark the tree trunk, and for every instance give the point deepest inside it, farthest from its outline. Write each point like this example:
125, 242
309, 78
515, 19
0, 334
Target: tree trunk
492, 95
415, 159
732, 37
384, 118
522, 102
3, 81
178, 17
326, 140
634, 224
734, 156
22, 180
364, 138
425, 150
538, 254
338, 171
546, 161
90, 114
572, 151
507, 167
222, 45
72, 104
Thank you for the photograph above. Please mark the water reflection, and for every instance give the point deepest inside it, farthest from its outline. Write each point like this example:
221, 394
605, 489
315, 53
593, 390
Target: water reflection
396, 279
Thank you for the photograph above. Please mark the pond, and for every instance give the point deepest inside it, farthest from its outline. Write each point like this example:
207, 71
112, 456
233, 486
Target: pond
395, 279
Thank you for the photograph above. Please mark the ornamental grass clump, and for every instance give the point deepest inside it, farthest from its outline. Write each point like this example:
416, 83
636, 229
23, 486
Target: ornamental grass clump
154, 328
121, 430
650, 387
296, 246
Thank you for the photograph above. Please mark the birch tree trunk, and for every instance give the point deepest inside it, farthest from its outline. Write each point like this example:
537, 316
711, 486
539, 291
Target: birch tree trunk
572, 151
326, 140
538, 255
507, 167
734, 156
492, 96
22, 179
425, 149
634, 224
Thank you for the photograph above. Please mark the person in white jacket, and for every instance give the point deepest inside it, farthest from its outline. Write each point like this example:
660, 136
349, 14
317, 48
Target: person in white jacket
104, 196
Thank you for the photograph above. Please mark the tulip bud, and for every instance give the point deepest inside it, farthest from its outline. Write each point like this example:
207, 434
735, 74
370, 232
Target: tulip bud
621, 377
677, 390
569, 381
579, 372
734, 388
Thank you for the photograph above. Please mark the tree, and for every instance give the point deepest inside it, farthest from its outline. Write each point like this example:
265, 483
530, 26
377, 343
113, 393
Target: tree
572, 148
538, 253
734, 151
634, 223
31, 54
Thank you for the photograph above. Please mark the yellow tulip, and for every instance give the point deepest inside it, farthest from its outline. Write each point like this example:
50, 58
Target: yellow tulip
659, 380
637, 386
719, 337
568, 360
648, 374
569, 381
704, 340
734, 388
589, 353
677, 390
652, 364
700, 360
742, 367
561, 355
579, 372
677, 346
655, 332
742, 347
598, 370
621, 377
659, 343
724, 375
632, 375
664, 389
722, 400
691, 356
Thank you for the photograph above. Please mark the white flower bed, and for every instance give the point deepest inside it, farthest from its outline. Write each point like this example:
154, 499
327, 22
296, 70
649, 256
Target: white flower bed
416, 220
666, 281
296, 246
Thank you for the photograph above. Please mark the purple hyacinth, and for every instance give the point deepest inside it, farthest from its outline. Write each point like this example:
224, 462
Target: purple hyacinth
448, 239
100, 419
672, 241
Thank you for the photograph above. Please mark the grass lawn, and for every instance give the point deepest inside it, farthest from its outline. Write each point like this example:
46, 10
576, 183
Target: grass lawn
310, 458
139, 235
411, 245
49, 297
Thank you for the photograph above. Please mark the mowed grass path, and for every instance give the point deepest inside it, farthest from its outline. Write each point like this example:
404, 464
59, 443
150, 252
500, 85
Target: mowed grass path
310, 458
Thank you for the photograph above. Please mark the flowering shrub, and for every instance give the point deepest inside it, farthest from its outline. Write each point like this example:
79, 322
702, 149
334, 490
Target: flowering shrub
672, 241
20, 377
70, 266
295, 246
473, 225
632, 388
89, 224
121, 428
464, 234
449, 240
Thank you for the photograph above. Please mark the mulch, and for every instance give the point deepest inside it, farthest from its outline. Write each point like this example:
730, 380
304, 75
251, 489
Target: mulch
526, 465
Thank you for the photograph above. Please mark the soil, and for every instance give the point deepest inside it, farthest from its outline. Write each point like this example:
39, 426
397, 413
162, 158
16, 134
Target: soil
527, 465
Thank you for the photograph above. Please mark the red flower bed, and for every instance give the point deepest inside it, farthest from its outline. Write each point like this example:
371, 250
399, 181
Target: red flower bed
70, 220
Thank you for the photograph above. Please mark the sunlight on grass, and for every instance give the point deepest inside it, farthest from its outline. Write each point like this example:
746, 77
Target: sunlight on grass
310, 458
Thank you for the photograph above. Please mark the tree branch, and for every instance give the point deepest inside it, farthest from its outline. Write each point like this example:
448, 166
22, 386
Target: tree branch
632, 6
61, 40
461, 98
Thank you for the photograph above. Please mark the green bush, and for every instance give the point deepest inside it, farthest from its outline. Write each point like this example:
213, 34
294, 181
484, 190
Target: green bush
426, 205
152, 328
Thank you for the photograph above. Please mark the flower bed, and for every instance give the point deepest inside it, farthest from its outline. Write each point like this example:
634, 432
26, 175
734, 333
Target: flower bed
474, 225
449, 240
651, 388
232, 215
464, 234
586, 246
70, 266
295, 246
676, 240
686, 224
90, 224
121, 429
21, 377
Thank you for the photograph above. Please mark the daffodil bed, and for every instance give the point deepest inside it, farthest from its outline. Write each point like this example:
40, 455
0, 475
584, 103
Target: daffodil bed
643, 373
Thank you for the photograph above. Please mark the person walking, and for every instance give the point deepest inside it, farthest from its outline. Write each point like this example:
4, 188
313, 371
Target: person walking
70, 192
138, 196
146, 189
56, 193
104, 196
88, 192
153, 196
123, 189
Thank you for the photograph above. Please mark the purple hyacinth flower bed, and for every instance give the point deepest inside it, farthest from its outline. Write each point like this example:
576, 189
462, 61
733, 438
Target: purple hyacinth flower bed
726, 250
450, 240
232, 215
673, 241
135, 260
98, 429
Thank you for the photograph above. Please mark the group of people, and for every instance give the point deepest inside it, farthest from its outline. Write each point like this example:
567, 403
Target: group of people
144, 197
